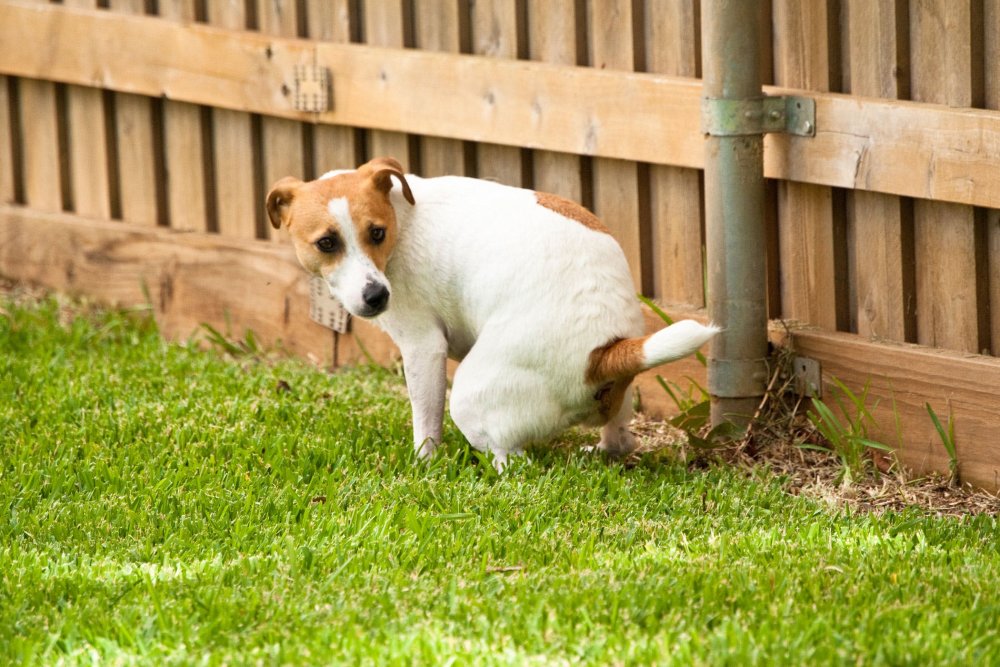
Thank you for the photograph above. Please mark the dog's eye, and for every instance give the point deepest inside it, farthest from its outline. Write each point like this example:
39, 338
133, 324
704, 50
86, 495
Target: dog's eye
328, 244
377, 234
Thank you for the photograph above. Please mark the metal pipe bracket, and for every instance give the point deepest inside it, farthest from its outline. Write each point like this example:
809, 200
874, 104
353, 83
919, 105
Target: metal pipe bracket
789, 114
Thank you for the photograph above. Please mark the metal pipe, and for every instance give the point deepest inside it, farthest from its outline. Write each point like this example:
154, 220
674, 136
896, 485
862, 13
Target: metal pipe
734, 215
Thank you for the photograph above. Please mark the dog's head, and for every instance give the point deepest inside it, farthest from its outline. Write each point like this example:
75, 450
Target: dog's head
344, 228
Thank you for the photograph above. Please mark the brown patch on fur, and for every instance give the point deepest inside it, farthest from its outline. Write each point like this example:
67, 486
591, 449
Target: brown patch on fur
572, 210
610, 396
618, 359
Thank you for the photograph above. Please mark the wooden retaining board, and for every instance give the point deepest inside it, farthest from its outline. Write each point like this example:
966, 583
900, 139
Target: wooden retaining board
192, 278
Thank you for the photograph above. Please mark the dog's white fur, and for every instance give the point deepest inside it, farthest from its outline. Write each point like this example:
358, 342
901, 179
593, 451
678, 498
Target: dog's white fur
538, 306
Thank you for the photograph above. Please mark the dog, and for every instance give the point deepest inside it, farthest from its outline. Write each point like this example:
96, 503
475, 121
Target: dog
527, 290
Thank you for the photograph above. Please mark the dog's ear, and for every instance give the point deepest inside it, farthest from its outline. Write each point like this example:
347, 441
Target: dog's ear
279, 199
381, 170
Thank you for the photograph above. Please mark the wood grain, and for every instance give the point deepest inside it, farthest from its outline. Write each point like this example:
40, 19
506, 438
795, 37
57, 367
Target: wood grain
553, 37
282, 142
7, 186
902, 148
87, 152
991, 80
439, 26
334, 146
233, 145
384, 25
805, 211
495, 35
941, 44
881, 230
677, 235
137, 150
620, 191
902, 379
184, 149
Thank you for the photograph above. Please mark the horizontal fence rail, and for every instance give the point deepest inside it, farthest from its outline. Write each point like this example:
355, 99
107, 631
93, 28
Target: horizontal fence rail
903, 148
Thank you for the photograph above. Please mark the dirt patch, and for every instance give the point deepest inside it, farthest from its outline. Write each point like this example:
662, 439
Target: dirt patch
818, 475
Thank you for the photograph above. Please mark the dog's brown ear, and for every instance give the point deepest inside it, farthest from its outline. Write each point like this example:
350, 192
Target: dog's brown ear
279, 199
382, 169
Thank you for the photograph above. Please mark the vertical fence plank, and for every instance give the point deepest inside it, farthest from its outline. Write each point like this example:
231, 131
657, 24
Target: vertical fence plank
441, 26
184, 150
281, 139
618, 190
881, 231
385, 24
233, 146
87, 152
495, 33
941, 39
553, 36
8, 194
136, 139
40, 143
674, 47
334, 147
991, 58
806, 224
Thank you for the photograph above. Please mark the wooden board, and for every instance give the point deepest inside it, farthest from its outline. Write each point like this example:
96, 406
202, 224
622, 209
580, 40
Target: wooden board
236, 208
991, 49
384, 25
281, 139
7, 187
441, 26
193, 278
334, 147
87, 152
138, 152
901, 148
554, 36
495, 34
903, 378
805, 212
942, 51
184, 133
621, 194
673, 47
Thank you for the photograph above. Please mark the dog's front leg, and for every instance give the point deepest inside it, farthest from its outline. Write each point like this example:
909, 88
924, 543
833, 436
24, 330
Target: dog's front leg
424, 367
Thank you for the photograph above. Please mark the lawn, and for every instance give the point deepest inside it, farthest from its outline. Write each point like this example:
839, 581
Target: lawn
167, 504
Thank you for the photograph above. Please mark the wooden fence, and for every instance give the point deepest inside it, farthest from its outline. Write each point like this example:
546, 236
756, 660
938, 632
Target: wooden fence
138, 137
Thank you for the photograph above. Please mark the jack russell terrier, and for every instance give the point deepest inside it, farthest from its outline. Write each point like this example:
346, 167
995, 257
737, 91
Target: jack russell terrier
528, 290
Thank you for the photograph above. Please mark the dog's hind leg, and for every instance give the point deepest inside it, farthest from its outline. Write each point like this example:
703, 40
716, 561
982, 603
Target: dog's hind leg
616, 438
500, 410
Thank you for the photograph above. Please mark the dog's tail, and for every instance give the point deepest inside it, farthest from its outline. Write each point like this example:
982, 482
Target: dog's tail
630, 356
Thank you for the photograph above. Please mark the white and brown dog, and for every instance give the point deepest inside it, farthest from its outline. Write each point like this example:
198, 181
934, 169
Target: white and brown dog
528, 290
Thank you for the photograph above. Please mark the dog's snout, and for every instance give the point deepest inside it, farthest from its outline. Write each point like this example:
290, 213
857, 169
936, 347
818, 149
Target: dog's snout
376, 297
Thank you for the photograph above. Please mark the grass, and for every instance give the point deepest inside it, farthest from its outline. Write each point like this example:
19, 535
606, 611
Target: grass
165, 504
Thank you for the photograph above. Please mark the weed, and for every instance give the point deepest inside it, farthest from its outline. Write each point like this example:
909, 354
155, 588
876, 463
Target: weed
846, 437
948, 440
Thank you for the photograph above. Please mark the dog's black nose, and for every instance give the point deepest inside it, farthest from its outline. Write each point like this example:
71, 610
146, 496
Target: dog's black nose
376, 296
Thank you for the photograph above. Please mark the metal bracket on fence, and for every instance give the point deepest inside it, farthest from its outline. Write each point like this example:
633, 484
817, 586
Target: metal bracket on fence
326, 310
732, 118
808, 377
312, 88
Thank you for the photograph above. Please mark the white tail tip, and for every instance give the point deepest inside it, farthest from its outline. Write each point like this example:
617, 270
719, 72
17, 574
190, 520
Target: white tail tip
677, 341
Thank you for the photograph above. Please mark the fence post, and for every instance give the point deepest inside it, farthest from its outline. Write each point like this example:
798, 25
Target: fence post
734, 215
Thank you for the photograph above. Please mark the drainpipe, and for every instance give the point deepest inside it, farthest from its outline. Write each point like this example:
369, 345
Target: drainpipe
732, 117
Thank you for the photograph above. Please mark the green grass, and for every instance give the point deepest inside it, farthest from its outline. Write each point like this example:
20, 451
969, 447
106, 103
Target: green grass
161, 504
